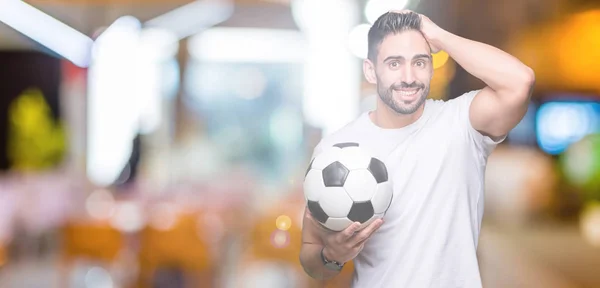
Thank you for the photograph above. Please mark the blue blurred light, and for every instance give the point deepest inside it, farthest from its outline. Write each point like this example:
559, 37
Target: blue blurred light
524, 132
559, 124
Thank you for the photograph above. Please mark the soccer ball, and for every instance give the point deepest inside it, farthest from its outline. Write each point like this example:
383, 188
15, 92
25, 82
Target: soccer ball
345, 184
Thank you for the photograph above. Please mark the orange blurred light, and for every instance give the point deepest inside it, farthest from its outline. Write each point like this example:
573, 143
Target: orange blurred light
283, 222
439, 59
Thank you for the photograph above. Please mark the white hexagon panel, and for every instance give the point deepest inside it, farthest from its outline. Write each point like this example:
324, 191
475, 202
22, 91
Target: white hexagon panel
338, 224
360, 185
335, 202
313, 185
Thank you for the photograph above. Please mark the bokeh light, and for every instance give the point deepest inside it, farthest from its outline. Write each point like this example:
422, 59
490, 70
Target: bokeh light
100, 204
581, 164
561, 123
439, 59
283, 222
358, 40
376, 8
590, 224
280, 239
128, 217
164, 216
98, 277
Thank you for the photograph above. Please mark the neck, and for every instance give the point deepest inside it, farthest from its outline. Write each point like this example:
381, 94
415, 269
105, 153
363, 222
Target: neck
386, 118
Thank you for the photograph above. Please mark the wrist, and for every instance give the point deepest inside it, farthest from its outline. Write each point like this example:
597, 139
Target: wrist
327, 254
330, 261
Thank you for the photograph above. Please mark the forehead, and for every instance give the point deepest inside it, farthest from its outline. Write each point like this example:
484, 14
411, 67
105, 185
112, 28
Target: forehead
406, 44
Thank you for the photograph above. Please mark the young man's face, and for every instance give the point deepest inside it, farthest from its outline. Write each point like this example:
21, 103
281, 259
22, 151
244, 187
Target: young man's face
403, 71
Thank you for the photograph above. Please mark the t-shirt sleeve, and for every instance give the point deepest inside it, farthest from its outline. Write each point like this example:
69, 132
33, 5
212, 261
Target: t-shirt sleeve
484, 144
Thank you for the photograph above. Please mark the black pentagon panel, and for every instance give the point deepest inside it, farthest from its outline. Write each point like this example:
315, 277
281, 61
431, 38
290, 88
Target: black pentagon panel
346, 144
335, 174
361, 212
378, 170
309, 166
317, 212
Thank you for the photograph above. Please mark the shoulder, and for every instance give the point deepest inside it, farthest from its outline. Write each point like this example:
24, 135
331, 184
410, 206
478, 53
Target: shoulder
450, 111
459, 109
463, 101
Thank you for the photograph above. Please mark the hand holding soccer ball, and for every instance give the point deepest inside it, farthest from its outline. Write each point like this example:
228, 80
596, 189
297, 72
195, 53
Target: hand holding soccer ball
345, 245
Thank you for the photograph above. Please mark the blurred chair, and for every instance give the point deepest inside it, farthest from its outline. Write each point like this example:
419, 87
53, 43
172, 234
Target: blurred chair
95, 241
177, 254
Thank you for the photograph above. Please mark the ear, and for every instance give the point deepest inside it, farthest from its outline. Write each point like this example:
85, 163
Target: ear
369, 71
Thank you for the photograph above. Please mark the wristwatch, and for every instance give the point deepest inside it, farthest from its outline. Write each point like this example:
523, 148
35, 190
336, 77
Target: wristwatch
330, 264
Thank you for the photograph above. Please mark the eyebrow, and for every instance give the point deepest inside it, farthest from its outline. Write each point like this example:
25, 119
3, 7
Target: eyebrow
418, 56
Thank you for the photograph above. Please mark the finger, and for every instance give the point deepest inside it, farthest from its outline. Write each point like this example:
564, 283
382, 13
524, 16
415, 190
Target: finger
368, 231
350, 230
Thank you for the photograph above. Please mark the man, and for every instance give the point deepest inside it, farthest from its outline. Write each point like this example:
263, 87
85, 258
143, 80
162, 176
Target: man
436, 153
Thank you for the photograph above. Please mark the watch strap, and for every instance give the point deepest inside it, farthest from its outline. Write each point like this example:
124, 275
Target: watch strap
331, 264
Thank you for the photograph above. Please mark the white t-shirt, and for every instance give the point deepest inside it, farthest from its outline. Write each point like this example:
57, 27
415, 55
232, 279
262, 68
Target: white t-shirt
430, 233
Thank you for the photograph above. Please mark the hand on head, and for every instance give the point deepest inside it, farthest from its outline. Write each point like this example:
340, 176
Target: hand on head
428, 28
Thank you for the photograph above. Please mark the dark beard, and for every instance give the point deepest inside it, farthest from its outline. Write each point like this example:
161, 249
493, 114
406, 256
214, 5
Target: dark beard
387, 96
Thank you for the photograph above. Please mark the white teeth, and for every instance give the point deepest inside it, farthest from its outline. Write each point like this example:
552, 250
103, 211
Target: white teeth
408, 93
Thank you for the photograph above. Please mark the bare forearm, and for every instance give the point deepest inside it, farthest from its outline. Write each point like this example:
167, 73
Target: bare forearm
498, 69
310, 258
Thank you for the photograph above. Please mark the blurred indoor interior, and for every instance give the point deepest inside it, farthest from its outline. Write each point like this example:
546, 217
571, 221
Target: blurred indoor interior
163, 143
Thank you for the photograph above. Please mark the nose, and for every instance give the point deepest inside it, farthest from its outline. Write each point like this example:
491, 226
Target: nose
408, 75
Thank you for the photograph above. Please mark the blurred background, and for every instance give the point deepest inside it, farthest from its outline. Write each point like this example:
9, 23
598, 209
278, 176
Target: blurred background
163, 143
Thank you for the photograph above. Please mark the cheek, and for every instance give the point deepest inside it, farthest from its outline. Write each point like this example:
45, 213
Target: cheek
425, 75
387, 78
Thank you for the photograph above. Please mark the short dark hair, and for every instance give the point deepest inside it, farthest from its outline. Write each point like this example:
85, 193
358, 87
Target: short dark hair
391, 23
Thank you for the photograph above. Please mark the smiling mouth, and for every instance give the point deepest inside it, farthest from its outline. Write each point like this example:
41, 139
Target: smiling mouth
405, 92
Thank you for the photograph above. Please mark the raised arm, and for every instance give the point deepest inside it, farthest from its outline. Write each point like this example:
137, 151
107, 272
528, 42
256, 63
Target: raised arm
499, 107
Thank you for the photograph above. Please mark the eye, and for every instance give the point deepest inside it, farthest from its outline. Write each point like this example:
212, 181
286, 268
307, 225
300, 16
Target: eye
420, 63
394, 64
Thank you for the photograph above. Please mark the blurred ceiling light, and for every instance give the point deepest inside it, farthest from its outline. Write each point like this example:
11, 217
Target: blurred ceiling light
358, 40
113, 118
194, 17
158, 44
376, 8
46, 30
331, 72
248, 45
